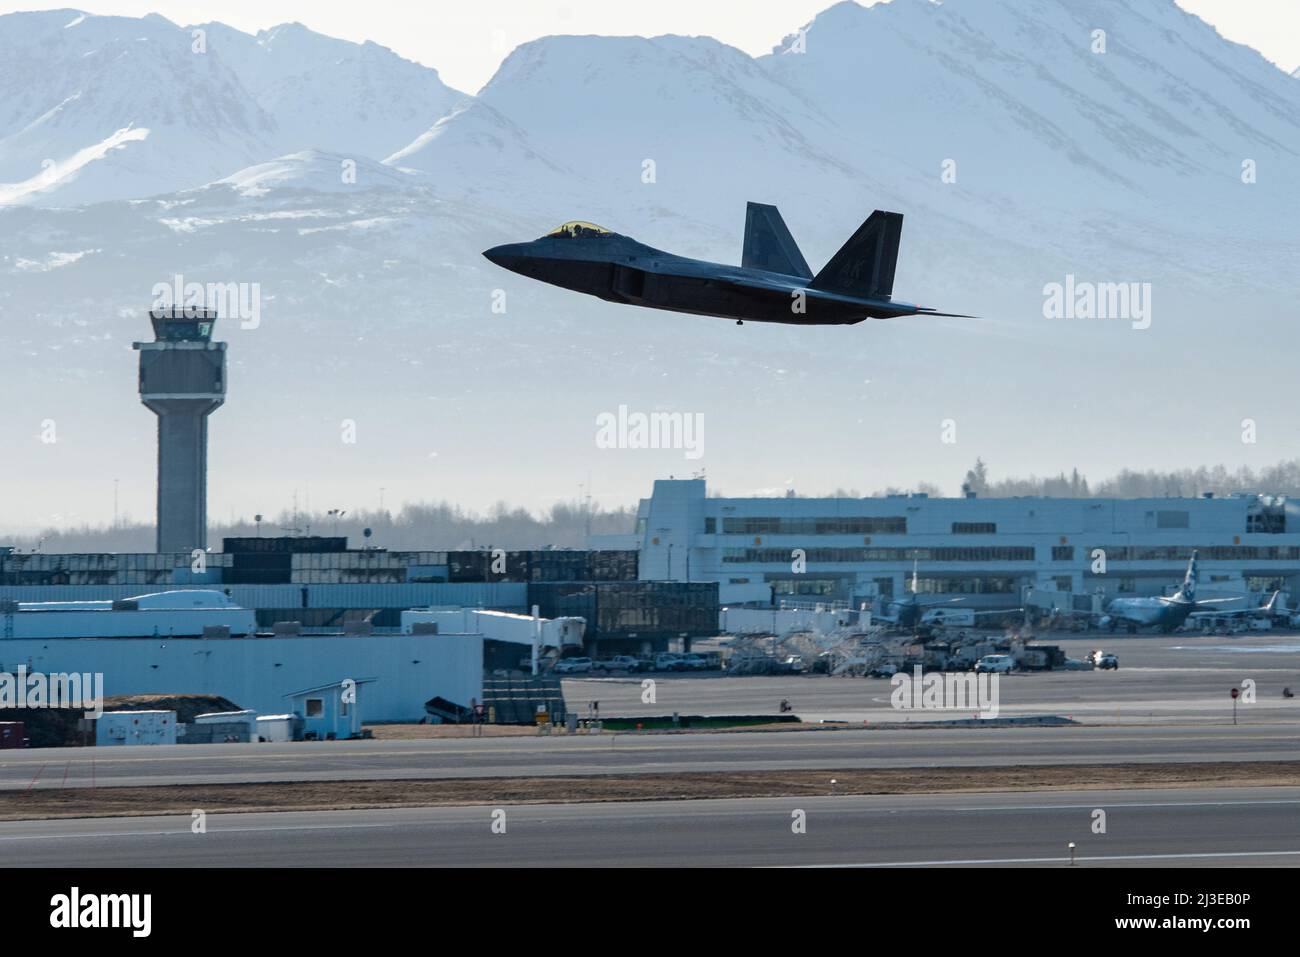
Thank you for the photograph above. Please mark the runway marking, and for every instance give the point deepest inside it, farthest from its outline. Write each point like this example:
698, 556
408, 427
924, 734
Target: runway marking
444, 817
1062, 860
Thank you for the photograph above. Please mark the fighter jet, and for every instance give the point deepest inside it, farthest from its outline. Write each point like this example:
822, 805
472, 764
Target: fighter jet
772, 284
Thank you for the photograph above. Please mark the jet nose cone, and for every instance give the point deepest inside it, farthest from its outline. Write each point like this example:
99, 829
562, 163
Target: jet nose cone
508, 256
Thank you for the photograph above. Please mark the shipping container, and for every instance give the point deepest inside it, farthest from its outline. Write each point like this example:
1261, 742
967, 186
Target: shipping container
13, 734
135, 727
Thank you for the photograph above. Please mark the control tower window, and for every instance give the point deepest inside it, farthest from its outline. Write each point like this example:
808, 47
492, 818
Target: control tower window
579, 230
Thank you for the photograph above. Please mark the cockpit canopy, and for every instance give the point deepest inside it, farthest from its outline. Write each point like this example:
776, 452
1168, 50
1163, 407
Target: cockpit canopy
577, 229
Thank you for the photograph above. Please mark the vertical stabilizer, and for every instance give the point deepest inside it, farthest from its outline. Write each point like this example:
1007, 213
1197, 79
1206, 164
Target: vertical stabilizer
864, 266
769, 245
1189, 580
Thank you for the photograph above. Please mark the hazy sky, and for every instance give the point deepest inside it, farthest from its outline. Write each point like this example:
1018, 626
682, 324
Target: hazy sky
465, 41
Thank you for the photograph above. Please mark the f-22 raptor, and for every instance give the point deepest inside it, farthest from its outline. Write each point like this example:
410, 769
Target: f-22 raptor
772, 284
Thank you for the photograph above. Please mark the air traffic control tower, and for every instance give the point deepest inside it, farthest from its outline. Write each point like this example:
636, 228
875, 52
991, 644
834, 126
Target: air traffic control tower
182, 380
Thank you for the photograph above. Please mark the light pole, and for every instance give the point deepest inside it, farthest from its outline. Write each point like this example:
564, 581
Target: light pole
669, 574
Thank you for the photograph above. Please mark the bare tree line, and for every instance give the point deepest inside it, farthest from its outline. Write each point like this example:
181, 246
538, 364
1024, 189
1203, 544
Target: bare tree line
430, 526
1280, 479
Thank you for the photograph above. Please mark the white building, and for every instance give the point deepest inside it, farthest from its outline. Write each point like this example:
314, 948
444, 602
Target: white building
201, 642
259, 674
171, 614
556, 633
989, 550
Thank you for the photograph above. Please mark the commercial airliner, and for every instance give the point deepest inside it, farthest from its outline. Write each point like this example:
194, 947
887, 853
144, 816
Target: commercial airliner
909, 614
772, 284
1163, 612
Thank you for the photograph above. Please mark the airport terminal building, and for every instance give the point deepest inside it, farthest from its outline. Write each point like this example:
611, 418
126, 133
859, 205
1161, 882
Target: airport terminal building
990, 551
322, 586
691, 552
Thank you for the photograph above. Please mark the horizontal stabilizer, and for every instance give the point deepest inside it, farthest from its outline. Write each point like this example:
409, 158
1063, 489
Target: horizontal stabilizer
769, 245
864, 266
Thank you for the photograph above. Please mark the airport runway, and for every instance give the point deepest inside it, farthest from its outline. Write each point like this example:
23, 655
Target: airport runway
561, 754
1175, 828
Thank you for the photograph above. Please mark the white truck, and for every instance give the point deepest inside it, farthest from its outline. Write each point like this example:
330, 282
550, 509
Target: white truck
670, 661
618, 663
995, 664
573, 666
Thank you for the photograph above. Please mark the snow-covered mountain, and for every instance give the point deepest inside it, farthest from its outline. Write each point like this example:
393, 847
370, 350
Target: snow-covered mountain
331, 94
1018, 151
1138, 101
101, 108
1035, 124
640, 128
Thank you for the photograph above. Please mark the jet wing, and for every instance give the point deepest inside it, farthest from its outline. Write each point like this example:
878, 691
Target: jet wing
999, 612
1232, 613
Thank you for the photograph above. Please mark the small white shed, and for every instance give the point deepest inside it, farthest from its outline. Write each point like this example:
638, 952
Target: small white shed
277, 727
246, 719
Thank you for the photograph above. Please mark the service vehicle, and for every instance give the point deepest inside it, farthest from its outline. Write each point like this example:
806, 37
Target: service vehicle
995, 664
